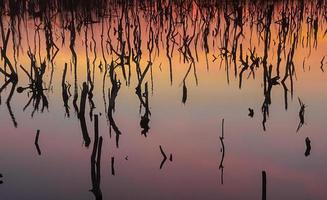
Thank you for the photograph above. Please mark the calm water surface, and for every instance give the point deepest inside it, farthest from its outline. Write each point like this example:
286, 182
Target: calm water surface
171, 85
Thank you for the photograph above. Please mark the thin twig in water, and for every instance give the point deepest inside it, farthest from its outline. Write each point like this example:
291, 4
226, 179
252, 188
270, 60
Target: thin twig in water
322, 64
164, 157
113, 166
221, 165
36, 142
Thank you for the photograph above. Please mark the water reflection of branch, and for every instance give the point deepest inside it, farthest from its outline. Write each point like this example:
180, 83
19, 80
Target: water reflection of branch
113, 166
301, 114
96, 161
221, 165
144, 99
11, 77
184, 97
72, 28
179, 26
113, 92
267, 71
322, 64
13, 81
36, 142
65, 87
81, 115
36, 85
164, 157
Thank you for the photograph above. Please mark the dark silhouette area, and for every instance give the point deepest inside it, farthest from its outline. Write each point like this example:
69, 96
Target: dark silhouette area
181, 29
35, 76
308, 146
1, 181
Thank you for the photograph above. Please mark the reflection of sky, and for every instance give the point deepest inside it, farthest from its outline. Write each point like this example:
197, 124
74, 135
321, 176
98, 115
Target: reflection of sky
190, 132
